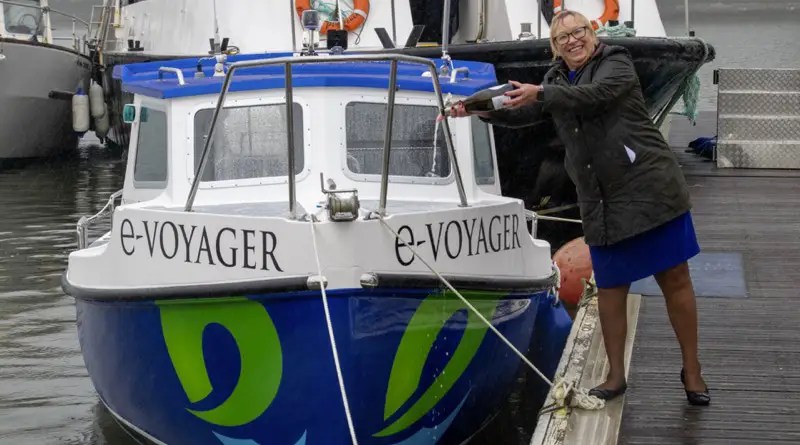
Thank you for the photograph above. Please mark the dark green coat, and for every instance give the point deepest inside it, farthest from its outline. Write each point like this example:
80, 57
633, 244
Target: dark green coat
628, 180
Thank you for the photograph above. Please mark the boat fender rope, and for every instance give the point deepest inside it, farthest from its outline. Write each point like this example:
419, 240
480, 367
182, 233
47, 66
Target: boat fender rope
567, 394
689, 90
331, 336
620, 30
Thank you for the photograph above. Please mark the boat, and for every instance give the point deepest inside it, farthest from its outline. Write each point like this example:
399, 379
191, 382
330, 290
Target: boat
509, 34
40, 77
371, 284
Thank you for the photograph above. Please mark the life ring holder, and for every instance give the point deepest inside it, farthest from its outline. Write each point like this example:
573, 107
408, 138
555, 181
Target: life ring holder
351, 22
610, 13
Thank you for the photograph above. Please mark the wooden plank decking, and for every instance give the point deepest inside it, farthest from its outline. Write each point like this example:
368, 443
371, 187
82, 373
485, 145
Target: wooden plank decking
749, 347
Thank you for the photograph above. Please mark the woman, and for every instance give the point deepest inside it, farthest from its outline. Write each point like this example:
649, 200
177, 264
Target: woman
632, 195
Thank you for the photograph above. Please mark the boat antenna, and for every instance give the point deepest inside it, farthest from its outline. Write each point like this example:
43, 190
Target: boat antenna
446, 39
216, 27
339, 13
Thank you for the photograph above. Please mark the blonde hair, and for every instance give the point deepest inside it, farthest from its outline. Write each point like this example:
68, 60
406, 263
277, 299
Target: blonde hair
558, 20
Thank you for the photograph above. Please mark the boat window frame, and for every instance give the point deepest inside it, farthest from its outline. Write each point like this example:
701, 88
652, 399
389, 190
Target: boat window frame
474, 120
251, 101
163, 108
399, 100
40, 25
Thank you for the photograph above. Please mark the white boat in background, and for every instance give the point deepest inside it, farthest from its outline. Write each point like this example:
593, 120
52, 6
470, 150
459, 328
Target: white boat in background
512, 35
38, 78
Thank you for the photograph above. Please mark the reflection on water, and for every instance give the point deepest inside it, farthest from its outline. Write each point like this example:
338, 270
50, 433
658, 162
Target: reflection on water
45, 393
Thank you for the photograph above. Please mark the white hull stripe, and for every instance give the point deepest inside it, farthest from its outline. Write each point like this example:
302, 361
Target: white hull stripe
132, 426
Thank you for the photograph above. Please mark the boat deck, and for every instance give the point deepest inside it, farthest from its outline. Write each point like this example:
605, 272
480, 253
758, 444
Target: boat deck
749, 344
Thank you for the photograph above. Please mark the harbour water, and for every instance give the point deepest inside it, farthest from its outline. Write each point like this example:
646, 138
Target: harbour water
46, 396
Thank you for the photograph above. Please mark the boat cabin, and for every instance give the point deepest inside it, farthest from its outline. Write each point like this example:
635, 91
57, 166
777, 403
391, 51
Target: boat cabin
22, 20
338, 132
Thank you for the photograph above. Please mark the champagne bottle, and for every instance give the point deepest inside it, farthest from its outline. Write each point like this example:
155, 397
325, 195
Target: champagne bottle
490, 99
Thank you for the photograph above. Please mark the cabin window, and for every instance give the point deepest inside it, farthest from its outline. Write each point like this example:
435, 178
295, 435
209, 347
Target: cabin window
249, 142
482, 152
23, 17
150, 167
414, 152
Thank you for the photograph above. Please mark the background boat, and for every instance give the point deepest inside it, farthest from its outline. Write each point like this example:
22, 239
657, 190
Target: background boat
38, 79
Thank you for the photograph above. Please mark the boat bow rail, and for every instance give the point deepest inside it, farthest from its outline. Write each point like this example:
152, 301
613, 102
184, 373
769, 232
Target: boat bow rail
85, 223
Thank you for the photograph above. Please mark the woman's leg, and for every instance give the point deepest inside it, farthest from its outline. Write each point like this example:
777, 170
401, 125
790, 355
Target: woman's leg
613, 308
676, 284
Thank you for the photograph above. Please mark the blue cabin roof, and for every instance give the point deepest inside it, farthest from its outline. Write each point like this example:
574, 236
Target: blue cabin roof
142, 78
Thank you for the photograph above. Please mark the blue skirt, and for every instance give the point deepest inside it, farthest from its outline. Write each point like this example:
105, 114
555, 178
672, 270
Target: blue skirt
646, 254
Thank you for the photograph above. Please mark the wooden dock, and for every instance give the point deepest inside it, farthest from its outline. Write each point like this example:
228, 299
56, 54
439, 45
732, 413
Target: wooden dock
747, 279
749, 346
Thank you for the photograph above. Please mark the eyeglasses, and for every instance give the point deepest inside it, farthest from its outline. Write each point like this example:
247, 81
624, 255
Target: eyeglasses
564, 37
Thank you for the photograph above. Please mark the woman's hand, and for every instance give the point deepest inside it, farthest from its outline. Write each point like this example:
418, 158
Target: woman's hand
524, 94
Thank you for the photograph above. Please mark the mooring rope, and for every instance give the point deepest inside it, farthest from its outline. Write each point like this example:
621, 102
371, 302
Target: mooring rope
564, 393
332, 338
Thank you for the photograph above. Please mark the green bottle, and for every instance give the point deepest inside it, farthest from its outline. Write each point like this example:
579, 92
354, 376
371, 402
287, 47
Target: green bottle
490, 99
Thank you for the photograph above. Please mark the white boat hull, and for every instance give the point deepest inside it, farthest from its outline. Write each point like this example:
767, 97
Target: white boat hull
32, 124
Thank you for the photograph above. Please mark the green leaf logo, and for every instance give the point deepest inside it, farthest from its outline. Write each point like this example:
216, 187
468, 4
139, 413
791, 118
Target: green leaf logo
415, 346
183, 323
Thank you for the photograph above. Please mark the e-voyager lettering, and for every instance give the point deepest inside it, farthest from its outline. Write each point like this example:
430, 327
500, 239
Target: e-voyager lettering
457, 238
227, 247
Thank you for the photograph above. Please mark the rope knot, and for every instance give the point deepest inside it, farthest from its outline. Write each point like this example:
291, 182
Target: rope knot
568, 395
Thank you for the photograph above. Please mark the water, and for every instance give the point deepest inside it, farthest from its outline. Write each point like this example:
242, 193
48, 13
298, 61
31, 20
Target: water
46, 396
744, 33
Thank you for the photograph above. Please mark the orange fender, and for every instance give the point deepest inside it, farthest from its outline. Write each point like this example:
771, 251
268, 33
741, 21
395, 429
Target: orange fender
575, 263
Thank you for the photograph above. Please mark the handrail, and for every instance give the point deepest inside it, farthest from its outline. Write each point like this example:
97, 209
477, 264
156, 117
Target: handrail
45, 9
179, 73
288, 62
387, 139
686, 13
290, 141
85, 222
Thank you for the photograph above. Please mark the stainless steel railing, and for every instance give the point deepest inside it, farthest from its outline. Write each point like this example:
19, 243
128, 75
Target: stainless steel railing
288, 62
86, 221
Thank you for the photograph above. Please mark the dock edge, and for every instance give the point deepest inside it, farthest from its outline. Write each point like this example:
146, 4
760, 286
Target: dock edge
584, 360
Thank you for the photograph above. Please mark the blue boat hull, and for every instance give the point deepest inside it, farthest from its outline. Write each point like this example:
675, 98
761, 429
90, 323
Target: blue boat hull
419, 368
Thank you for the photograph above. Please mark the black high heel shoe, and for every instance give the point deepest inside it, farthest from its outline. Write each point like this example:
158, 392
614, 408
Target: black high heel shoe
608, 394
696, 398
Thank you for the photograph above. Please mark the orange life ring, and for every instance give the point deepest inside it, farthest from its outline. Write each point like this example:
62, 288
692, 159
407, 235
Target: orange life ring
611, 12
351, 22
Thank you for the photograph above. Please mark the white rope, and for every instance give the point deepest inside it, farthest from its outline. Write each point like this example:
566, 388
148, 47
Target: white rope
568, 394
332, 338
564, 394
